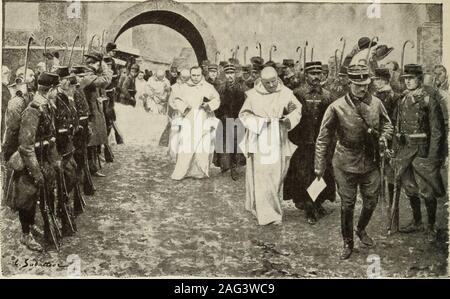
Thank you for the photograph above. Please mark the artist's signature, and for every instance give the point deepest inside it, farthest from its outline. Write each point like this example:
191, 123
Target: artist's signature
27, 262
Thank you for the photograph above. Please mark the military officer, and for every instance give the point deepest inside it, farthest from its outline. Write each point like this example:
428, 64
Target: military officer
232, 97
418, 145
98, 76
383, 90
81, 137
359, 120
67, 125
37, 157
108, 107
314, 100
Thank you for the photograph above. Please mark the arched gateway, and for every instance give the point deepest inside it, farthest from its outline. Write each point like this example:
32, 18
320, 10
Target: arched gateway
173, 15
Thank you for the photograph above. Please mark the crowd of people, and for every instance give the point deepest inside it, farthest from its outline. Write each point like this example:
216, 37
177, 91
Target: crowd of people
367, 125
288, 123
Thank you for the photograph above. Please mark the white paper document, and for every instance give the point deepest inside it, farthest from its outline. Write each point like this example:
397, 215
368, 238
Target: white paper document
316, 188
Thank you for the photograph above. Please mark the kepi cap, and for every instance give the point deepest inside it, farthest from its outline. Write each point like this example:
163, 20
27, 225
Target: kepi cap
358, 74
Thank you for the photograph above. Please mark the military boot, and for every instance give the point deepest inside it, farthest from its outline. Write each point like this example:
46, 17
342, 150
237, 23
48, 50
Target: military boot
416, 224
364, 238
347, 250
30, 242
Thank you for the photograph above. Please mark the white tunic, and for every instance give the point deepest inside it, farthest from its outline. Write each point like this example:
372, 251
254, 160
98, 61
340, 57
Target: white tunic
267, 148
197, 129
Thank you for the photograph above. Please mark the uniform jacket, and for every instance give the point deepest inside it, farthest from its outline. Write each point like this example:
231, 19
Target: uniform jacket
419, 112
342, 118
315, 101
232, 97
13, 117
128, 90
66, 123
92, 84
37, 126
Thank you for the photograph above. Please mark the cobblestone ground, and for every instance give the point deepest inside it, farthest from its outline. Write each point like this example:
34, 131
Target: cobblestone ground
141, 223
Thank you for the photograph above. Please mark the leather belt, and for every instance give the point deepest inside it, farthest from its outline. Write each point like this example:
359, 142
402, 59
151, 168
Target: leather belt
351, 144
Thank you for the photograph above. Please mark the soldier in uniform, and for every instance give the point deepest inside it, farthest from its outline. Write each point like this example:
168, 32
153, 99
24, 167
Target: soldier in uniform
108, 106
257, 66
128, 87
383, 90
314, 100
340, 86
66, 125
37, 157
81, 138
213, 78
360, 121
232, 97
98, 76
247, 76
22, 97
418, 145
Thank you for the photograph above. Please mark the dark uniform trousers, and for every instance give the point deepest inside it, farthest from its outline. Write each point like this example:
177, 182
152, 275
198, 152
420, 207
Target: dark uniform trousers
354, 164
369, 186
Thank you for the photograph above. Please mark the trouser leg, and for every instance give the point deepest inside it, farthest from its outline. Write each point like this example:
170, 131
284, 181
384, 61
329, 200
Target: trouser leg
27, 218
92, 159
346, 187
370, 189
409, 184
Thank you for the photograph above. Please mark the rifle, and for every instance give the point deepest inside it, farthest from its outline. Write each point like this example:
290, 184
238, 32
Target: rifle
79, 204
88, 185
382, 148
394, 212
51, 226
63, 199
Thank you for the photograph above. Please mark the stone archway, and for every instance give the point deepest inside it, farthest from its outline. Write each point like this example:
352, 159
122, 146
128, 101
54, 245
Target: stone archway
174, 15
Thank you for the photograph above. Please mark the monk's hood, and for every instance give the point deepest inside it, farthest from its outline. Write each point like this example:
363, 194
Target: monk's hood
259, 87
190, 83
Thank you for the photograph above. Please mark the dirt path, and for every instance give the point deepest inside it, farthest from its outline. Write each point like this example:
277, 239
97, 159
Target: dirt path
141, 223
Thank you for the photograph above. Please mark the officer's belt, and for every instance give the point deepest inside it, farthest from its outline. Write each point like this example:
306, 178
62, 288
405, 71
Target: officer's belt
351, 144
44, 142
84, 117
110, 90
416, 138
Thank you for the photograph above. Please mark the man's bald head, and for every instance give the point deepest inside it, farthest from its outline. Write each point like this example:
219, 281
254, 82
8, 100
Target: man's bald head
268, 73
269, 79
185, 74
160, 74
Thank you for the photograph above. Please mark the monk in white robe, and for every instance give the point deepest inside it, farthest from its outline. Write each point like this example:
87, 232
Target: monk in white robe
269, 112
175, 117
197, 99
